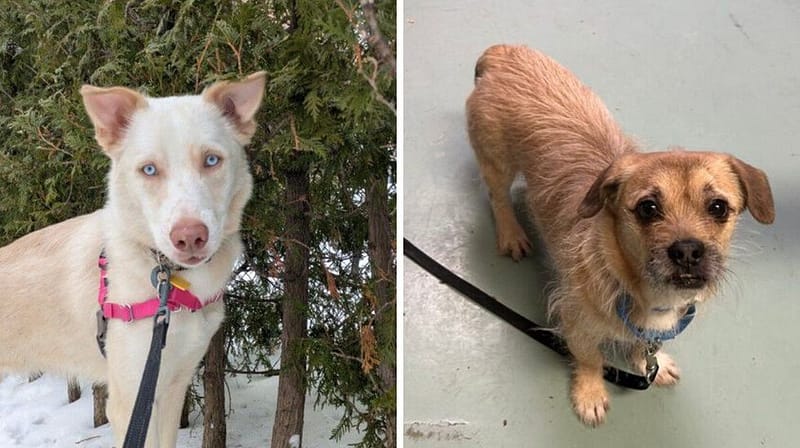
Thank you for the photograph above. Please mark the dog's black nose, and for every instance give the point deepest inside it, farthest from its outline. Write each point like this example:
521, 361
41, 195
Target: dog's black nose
686, 253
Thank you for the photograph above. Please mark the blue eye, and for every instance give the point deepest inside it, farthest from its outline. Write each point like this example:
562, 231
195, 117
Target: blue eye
149, 170
211, 160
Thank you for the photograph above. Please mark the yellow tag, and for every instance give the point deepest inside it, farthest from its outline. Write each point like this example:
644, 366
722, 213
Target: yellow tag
179, 282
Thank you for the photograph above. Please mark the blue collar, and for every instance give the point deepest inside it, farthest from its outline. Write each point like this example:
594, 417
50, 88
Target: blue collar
624, 304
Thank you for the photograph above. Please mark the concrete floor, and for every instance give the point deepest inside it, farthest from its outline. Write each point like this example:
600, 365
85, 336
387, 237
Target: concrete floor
700, 74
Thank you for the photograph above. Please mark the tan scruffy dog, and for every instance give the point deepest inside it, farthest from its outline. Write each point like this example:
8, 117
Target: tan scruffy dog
636, 238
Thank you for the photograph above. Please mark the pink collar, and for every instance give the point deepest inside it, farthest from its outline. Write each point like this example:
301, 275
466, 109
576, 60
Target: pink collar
178, 298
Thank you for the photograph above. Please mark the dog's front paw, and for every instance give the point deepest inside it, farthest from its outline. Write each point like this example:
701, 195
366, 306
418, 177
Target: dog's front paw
512, 241
668, 372
590, 400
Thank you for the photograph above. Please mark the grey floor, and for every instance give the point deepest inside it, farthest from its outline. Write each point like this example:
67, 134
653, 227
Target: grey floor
712, 75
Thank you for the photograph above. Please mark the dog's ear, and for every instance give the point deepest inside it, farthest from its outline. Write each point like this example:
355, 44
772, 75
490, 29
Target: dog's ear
110, 110
604, 188
239, 102
757, 193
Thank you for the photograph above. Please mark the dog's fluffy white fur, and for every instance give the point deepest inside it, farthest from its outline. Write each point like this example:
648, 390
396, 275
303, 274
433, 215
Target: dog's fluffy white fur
51, 276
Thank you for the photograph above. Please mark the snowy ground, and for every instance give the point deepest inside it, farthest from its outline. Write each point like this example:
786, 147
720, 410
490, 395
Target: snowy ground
37, 415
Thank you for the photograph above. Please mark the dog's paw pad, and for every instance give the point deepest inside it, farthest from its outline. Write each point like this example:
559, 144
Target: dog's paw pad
590, 404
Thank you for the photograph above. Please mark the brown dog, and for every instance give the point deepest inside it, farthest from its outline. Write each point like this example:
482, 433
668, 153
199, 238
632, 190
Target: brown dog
636, 238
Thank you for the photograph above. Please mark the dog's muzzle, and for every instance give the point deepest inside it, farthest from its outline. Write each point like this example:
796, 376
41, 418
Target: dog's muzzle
689, 262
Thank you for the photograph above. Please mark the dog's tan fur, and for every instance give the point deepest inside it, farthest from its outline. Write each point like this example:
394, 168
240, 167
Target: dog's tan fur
585, 180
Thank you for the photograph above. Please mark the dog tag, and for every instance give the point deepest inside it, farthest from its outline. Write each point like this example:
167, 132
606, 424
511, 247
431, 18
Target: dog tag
179, 282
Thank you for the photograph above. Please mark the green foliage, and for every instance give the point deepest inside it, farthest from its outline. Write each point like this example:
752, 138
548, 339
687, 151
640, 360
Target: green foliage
327, 105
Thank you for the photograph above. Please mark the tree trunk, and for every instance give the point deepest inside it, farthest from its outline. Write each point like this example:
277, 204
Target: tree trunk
214, 429
73, 390
292, 381
187, 408
381, 236
100, 394
375, 37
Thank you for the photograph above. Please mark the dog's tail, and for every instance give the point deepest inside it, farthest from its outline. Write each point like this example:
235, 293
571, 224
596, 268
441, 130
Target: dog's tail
494, 56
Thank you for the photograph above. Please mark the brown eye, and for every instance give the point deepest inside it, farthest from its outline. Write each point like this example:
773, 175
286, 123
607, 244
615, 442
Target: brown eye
647, 210
718, 209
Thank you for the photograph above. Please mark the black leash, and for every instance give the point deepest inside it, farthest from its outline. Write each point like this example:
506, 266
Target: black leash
143, 408
547, 337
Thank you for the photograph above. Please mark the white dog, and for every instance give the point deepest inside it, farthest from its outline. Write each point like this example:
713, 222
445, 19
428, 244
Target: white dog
178, 182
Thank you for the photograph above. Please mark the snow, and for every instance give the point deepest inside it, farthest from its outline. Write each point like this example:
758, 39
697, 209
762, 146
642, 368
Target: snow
36, 415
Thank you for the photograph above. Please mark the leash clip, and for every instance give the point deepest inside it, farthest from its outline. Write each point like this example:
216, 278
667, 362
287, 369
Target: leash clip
651, 362
159, 277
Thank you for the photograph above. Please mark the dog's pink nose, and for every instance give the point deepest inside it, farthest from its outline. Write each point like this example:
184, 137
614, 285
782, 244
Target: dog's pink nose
189, 235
